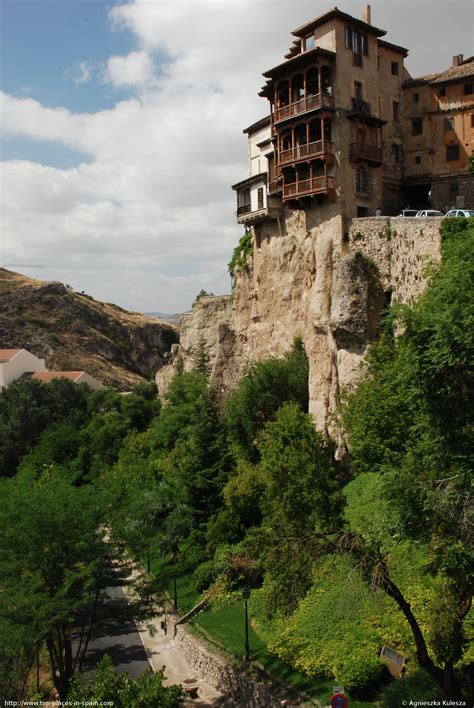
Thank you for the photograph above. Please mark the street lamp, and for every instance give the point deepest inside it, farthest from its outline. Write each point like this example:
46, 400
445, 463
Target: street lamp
246, 595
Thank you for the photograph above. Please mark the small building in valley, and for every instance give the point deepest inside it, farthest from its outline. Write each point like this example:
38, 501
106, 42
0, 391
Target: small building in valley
16, 362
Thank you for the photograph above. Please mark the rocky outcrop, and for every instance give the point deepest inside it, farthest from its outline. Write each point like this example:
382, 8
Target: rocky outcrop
323, 281
73, 331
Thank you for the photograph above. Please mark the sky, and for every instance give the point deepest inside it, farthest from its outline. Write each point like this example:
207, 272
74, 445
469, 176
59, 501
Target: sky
122, 131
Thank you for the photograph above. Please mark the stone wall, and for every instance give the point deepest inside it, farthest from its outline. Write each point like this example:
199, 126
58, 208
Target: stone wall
319, 281
249, 688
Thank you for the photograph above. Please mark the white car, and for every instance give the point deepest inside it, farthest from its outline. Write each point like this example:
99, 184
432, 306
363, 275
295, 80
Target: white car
460, 212
429, 212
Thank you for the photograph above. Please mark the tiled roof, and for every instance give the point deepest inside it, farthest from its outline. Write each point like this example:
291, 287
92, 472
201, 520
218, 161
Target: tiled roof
297, 60
262, 123
464, 70
7, 354
393, 47
47, 376
335, 13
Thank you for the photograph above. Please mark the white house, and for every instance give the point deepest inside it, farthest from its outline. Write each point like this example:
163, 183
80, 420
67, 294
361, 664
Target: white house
16, 362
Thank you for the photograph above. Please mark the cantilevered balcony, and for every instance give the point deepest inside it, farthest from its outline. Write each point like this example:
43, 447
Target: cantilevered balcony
319, 148
303, 105
308, 187
359, 152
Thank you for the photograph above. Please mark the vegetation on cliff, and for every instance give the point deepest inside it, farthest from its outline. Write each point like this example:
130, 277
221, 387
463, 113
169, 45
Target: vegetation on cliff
341, 557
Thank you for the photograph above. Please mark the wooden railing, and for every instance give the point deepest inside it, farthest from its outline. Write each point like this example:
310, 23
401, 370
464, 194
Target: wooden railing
319, 147
244, 209
274, 185
360, 151
360, 106
308, 186
309, 103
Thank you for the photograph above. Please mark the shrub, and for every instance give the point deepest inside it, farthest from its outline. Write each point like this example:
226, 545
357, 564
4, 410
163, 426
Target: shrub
204, 575
410, 689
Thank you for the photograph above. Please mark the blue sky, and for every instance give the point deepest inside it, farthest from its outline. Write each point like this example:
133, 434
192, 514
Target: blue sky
123, 130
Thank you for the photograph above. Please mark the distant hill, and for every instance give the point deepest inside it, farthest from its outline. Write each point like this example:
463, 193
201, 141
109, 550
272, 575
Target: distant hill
165, 317
73, 331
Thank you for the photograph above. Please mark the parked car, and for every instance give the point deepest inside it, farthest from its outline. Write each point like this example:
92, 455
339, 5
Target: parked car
429, 212
460, 212
409, 212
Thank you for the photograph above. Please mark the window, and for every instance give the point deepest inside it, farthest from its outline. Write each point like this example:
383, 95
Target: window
356, 41
448, 124
260, 198
362, 211
416, 126
396, 149
309, 42
395, 68
454, 188
442, 91
417, 159
416, 97
362, 181
396, 111
358, 90
472, 120
468, 88
452, 153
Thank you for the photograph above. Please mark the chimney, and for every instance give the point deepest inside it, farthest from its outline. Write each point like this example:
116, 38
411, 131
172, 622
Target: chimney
366, 14
458, 59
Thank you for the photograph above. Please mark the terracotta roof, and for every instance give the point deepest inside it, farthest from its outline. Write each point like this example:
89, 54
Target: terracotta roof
463, 71
7, 354
47, 376
302, 58
337, 14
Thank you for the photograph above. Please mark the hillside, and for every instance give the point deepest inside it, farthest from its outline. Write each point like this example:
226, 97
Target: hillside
73, 331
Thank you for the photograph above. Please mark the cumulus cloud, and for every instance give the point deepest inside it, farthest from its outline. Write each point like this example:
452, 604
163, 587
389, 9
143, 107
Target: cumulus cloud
135, 69
149, 220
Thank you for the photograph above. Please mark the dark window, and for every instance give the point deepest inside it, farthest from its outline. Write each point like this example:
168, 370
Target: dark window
396, 111
472, 120
362, 211
416, 126
416, 97
442, 91
468, 88
395, 68
358, 90
452, 152
448, 124
362, 181
454, 188
348, 38
417, 159
260, 198
396, 153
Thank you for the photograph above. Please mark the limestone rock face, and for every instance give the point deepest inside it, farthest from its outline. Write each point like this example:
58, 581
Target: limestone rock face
324, 281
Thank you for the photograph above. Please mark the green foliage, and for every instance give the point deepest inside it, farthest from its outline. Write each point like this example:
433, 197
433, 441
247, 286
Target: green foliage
204, 575
201, 293
417, 688
201, 357
265, 386
124, 692
241, 253
28, 407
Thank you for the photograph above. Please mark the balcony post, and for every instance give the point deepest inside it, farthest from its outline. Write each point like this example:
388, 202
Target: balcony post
305, 91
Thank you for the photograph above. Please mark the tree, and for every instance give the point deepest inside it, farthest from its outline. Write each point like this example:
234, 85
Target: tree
265, 386
422, 467
300, 505
201, 357
125, 692
54, 566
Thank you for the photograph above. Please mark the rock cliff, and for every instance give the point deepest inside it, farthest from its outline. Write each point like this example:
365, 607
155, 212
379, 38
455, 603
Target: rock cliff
73, 331
326, 282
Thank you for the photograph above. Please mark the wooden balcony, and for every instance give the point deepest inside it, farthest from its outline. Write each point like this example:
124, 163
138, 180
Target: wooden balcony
248, 218
368, 153
319, 148
303, 105
308, 187
243, 209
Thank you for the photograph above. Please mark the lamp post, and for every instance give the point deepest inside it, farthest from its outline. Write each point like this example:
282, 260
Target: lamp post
246, 595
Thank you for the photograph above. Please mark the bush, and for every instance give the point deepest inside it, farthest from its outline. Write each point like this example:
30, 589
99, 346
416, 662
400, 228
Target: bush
240, 254
204, 575
410, 689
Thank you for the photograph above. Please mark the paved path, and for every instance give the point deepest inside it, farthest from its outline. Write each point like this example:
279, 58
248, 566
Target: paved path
121, 640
